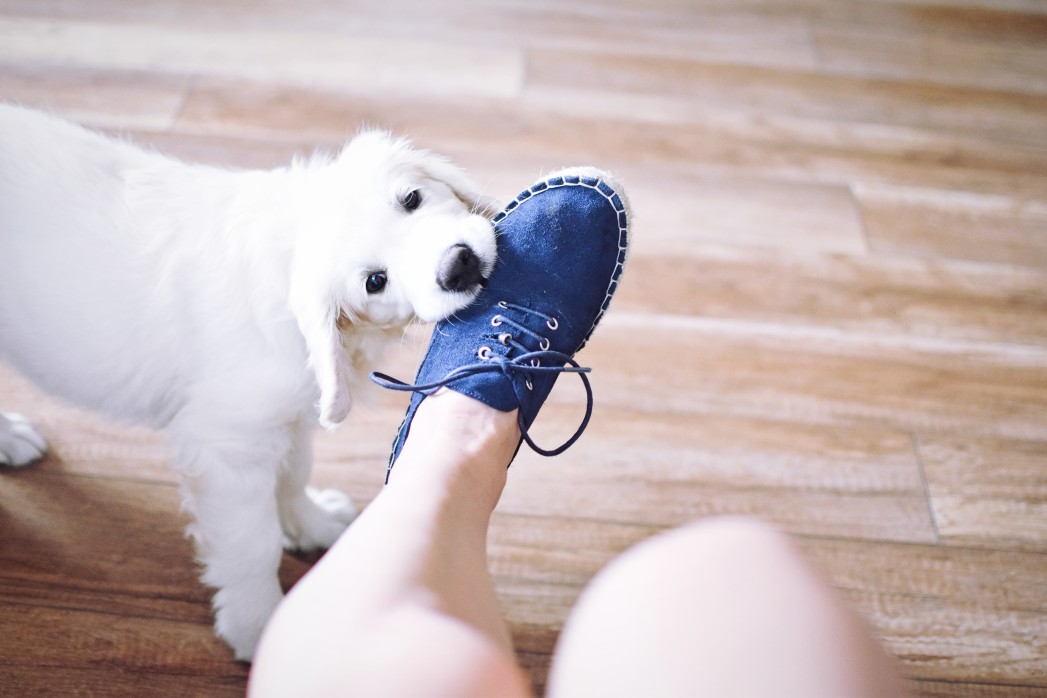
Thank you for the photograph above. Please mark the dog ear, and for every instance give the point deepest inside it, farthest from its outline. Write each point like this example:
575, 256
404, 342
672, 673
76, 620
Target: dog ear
462, 184
319, 321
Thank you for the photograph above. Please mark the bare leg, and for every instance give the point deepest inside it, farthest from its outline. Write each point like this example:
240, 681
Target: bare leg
403, 604
724, 608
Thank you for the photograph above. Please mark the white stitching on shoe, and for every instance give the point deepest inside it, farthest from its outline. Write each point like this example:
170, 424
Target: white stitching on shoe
617, 203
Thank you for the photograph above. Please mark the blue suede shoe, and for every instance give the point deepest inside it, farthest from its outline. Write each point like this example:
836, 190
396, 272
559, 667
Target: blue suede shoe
561, 248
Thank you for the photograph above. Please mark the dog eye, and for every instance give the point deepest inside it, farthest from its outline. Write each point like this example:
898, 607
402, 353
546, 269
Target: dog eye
375, 282
411, 200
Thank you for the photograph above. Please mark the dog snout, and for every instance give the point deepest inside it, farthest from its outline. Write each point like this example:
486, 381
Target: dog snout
460, 269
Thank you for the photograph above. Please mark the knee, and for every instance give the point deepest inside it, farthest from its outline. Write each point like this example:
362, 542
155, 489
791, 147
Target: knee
718, 594
733, 538
738, 530
716, 547
718, 568
695, 566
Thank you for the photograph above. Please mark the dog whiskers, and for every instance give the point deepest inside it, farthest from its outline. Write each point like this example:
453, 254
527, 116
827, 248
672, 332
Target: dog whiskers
406, 336
485, 205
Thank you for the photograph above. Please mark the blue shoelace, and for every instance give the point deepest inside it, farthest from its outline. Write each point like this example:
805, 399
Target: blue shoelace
527, 364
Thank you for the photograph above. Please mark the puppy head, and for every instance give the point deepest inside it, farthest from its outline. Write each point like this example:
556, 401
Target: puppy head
388, 234
421, 243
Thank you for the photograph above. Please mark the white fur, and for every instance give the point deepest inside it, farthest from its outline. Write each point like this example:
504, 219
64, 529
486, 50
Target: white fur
227, 308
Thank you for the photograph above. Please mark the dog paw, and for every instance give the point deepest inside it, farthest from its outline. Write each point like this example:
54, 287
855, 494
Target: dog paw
241, 612
20, 444
317, 519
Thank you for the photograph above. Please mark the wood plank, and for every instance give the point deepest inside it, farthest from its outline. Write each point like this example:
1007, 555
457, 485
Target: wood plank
760, 99
1014, 23
48, 652
725, 34
502, 138
82, 538
819, 376
690, 208
668, 469
935, 58
960, 689
995, 647
570, 548
686, 210
721, 33
910, 593
994, 580
702, 89
48, 681
719, 450
889, 296
119, 100
317, 59
99, 592
996, 228
987, 492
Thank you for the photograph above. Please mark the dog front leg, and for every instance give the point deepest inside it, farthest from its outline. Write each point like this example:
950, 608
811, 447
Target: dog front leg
311, 519
229, 487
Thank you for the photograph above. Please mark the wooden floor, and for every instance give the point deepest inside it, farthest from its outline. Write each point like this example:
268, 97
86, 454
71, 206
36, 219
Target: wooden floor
835, 316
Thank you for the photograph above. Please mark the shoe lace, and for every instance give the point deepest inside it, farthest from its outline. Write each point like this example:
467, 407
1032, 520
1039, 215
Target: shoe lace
526, 363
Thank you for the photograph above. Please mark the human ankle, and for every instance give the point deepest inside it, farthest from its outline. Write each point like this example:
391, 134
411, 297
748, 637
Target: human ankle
456, 438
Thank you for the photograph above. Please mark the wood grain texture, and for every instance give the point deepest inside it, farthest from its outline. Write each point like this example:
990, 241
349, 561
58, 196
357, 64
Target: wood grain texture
834, 318
314, 59
997, 228
987, 491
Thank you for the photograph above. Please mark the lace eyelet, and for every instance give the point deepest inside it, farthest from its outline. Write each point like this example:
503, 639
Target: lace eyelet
552, 324
503, 305
496, 321
484, 353
528, 383
544, 344
504, 338
536, 363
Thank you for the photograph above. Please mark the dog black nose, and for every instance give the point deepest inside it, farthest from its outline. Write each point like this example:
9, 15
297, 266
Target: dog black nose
460, 269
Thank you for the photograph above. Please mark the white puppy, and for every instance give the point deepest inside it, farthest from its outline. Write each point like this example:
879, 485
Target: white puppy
230, 309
